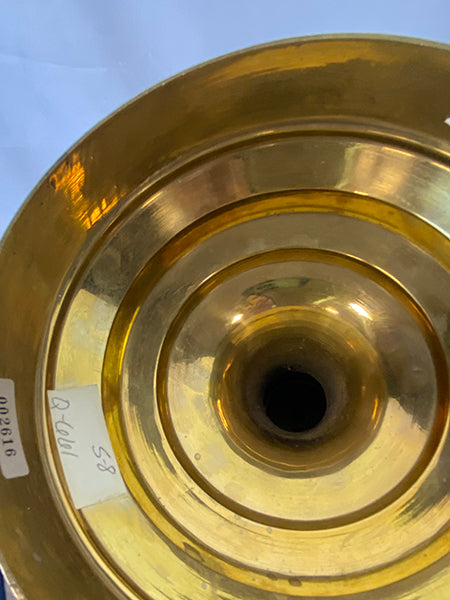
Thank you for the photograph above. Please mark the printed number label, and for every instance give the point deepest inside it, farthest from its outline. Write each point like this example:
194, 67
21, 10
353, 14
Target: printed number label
6, 433
12, 458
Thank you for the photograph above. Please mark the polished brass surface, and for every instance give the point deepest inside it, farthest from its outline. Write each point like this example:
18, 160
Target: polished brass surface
285, 207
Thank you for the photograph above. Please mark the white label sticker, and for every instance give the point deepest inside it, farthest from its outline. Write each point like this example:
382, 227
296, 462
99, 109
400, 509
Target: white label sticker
12, 458
84, 446
9, 593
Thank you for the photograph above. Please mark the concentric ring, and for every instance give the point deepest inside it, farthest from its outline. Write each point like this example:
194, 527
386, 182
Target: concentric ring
283, 206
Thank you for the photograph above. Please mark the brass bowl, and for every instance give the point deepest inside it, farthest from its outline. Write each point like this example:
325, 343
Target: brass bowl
251, 262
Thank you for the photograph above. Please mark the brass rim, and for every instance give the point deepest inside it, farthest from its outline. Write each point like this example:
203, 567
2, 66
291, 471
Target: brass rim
282, 207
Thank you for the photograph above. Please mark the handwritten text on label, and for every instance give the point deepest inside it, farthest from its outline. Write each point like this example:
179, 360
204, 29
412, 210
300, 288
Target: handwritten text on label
84, 447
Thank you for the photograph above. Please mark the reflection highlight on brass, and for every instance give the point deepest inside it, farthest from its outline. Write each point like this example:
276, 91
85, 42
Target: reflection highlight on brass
70, 178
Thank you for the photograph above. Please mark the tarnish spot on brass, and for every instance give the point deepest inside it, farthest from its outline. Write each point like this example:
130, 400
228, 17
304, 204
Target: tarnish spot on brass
193, 552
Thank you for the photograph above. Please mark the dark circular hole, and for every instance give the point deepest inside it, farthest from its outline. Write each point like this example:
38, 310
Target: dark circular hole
294, 401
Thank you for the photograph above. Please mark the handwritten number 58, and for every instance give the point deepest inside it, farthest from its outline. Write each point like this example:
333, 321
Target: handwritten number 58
105, 460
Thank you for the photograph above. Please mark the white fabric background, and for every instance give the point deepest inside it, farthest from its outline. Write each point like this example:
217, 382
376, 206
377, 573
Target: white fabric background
66, 64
